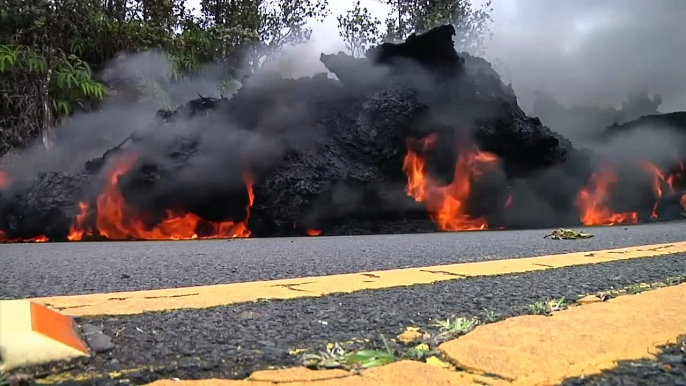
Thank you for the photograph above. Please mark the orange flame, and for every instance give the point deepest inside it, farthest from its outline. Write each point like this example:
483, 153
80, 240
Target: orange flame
314, 232
115, 220
79, 229
591, 202
659, 180
36, 239
446, 205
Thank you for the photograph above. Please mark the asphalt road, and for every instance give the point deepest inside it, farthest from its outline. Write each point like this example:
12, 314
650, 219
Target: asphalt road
233, 341
30, 270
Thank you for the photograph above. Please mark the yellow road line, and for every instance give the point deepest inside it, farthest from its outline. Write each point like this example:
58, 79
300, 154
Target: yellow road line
135, 302
531, 350
539, 350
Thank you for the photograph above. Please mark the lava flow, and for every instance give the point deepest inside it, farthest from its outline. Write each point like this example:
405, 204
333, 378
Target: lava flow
314, 232
591, 201
36, 239
115, 220
446, 205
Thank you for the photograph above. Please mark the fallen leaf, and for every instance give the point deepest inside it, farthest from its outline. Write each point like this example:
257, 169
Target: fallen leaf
568, 234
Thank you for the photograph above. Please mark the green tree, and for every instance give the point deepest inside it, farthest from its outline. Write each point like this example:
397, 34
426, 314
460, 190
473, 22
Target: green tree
248, 33
51, 50
472, 25
358, 29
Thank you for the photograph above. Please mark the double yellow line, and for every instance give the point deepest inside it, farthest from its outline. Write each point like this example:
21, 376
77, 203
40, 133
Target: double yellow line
135, 302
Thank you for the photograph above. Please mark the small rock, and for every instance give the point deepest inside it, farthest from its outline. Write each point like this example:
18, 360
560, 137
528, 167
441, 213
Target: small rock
96, 339
99, 342
90, 329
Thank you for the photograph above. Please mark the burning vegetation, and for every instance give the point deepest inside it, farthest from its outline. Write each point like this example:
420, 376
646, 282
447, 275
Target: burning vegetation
364, 154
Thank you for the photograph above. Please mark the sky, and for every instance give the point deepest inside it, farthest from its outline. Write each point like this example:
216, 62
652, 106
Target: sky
580, 51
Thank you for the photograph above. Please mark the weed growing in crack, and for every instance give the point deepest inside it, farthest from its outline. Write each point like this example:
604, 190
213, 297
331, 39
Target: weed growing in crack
456, 327
558, 304
638, 288
539, 308
635, 289
548, 307
336, 357
491, 316
333, 357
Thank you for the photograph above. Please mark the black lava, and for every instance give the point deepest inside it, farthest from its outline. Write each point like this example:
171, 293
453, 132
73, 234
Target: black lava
328, 154
675, 121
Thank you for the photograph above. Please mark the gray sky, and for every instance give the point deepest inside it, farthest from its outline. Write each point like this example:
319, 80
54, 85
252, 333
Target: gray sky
581, 51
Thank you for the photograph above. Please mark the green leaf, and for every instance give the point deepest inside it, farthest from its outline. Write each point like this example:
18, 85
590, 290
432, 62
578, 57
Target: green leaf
370, 358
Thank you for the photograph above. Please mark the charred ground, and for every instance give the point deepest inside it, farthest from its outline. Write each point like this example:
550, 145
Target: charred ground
296, 156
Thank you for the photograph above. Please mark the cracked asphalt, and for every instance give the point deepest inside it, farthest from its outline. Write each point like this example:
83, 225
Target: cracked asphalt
233, 341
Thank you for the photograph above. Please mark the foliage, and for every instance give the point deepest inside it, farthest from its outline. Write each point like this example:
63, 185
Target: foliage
472, 25
455, 327
337, 357
52, 51
284, 23
72, 82
358, 30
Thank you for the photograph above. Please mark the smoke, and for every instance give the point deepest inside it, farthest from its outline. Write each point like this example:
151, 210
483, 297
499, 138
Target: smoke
659, 144
592, 52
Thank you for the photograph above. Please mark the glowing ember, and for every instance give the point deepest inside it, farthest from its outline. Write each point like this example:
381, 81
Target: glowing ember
115, 220
591, 202
446, 205
683, 201
314, 232
36, 239
4, 179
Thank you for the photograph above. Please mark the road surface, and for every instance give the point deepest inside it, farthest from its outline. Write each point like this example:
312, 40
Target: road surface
233, 340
